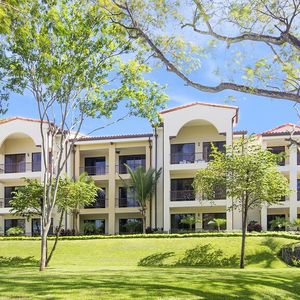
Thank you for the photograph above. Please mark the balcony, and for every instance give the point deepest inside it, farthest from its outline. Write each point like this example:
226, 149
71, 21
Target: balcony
94, 170
126, 202
99, 203
20, 167
187, 158
133, 161
182, 195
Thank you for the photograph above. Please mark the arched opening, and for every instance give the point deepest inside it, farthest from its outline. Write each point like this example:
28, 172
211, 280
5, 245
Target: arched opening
192, 144
19, 154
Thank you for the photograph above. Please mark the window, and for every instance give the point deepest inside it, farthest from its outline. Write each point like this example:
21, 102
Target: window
270, 218
8, 195
132, 225
127, 197
36, 227
95, 165
206, 225
9, 223
182, 153
176, 224
15, 163
99, 201
277, 150
207, 149
133, 161
182, 190
298, 189
36, 162
97, 228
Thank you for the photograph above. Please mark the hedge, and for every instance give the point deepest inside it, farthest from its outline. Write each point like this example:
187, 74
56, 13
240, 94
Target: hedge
289, 235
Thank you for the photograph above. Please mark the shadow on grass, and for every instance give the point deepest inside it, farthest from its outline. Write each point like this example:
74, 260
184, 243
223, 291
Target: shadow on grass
200, 256
17, 262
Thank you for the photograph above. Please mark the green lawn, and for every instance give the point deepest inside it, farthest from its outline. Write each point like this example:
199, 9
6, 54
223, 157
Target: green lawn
111, 269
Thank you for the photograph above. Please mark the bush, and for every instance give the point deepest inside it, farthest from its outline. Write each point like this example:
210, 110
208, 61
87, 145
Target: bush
150, 230
68, 232
15, 231
254, 226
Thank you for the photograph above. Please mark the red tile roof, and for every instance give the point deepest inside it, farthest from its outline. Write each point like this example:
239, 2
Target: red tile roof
284, 129
114, 137
6, 120
198, 103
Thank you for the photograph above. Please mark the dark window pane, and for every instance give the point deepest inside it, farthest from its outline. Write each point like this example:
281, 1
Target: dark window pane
8, 195
36, 162
95, 165
127, 197
132, 225
182, 153
176, 224
278, 150
209, 217
182, 190
207, 149
100, 200
99, 226
133, 161
9, 223
273, 217
15, 163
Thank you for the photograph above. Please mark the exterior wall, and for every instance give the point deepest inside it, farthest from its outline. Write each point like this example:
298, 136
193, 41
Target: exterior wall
192, 124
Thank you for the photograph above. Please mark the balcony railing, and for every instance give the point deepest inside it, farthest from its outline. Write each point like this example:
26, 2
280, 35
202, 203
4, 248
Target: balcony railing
99, 203
126, 202
94, 170
188, 158
121, 169
20, 167
183, 195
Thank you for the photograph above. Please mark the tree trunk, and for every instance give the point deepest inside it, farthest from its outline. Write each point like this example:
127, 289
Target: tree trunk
244, 229
144, 223
43, 261
56, 238
76, 229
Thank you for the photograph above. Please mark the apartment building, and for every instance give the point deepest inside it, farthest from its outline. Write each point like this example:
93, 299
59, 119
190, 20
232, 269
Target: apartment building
180, 146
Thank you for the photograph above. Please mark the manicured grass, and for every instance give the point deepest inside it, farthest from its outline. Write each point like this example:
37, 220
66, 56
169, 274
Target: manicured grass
109, 269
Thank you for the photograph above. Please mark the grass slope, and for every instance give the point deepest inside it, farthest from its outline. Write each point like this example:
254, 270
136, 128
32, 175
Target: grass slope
108, 269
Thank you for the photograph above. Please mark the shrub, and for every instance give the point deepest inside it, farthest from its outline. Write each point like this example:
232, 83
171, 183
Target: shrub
254, 226
15, 231
68, 232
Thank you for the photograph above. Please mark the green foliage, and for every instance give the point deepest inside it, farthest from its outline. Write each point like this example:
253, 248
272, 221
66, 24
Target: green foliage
279, 223
70, 55
190, 220
245, 170
15, 231
27, 200
296, 223
219, 223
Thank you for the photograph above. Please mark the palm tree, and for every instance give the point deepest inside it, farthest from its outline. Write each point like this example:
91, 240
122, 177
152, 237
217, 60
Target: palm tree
190, 220
296, 223
279, 223
218, 223
143, 183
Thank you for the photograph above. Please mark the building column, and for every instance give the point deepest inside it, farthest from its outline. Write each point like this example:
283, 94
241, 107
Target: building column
229, 213
28, 227
264, 218
1, 225
293, 182
199, 224
167, 183
111, 188
77, 162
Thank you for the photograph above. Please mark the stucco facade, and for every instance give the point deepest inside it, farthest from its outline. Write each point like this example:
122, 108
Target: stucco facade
180, 146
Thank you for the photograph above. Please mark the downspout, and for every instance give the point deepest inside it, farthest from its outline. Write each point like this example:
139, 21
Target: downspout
150, 148
66, 169
232, 121
155, 191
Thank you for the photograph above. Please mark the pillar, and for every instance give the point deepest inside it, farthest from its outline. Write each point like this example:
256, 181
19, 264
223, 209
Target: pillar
229, 213
28, 227
264, 218
166, 183
293, 182
111, 188
1, 225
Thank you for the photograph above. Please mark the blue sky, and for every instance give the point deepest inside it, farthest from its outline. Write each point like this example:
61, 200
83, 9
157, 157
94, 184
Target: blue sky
256, 113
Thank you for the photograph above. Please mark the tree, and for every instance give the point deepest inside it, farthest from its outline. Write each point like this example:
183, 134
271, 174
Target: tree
75, 63
143, 183
250, 176
27, 200
279, 223
296, 223
260, 39
190, 221
219, 223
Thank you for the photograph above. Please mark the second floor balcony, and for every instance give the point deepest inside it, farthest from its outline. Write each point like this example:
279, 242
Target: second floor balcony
126, 202
133, 161
20, 167
182, 195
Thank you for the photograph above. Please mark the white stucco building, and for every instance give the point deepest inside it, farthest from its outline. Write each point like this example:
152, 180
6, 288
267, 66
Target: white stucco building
180, 146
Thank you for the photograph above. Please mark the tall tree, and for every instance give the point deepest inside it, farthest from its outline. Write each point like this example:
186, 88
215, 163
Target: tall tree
27, 200
250, 176
76, 64
143, 183
259, 39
